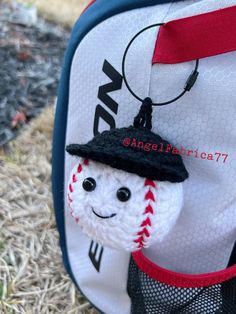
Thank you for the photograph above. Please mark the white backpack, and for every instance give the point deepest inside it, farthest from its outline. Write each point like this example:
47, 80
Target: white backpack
192, 268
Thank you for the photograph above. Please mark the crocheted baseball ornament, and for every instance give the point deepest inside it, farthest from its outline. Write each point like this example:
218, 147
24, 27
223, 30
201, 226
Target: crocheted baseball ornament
125, 191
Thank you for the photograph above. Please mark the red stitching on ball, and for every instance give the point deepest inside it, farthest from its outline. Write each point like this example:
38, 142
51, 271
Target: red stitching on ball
74, 178
79, 169
146, 222
71, 189
150, 196
69, 199
144, 233
86, 162
149, 210
150, 183
140, 242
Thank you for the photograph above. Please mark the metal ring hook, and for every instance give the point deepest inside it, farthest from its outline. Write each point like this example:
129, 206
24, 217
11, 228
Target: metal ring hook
188, 85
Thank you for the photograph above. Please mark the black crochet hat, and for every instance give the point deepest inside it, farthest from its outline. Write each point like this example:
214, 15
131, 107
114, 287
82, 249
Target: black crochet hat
125, 149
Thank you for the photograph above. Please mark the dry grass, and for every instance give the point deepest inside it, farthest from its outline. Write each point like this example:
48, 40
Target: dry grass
32, 279
65, 12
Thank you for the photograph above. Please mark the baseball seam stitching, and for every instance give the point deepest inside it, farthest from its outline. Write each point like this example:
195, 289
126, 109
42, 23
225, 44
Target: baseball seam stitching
144, 234
71, 189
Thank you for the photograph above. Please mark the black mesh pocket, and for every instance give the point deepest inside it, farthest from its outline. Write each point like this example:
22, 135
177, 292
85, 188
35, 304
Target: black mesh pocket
150, 296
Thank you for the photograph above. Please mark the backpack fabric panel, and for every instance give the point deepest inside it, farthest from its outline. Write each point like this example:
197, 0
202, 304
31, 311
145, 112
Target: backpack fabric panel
96, 55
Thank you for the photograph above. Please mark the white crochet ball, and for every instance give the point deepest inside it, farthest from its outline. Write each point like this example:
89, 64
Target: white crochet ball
122, 210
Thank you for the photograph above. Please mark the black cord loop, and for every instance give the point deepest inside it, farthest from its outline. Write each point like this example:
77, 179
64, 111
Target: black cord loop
188, 85
144, 117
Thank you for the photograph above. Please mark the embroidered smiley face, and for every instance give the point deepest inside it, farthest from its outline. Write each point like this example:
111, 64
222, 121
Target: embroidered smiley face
119, 209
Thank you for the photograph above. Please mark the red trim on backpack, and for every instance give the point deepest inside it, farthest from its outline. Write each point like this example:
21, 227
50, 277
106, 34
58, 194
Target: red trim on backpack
90, 3
196, 37
181, 280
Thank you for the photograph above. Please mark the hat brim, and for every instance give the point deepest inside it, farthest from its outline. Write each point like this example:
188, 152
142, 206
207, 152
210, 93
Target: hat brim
133, 161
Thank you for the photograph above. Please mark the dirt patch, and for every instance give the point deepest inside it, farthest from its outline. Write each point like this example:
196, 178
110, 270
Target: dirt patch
31, 58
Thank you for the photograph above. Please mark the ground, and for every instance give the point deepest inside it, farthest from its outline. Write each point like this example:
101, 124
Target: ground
32, 277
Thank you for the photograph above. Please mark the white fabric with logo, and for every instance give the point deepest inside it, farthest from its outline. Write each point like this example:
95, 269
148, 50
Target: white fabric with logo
202, 238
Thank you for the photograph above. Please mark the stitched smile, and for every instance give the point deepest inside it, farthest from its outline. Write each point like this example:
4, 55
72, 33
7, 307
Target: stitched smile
103, 217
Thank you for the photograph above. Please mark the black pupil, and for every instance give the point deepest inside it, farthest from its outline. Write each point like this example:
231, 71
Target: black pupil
89, 184
123, 194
